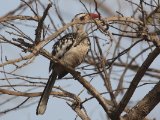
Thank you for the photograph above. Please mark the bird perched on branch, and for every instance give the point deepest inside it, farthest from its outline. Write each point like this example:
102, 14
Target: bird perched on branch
71, 49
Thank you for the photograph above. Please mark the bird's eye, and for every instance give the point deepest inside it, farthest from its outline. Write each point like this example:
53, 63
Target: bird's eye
81, 18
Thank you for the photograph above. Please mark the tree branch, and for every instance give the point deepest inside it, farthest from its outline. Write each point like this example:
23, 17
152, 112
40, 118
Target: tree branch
40, 24
145, 106
140, 73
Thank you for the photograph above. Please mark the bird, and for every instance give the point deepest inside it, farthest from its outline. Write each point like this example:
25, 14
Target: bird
70, 50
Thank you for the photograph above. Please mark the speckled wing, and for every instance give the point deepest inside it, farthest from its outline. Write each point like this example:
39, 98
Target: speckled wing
62, 46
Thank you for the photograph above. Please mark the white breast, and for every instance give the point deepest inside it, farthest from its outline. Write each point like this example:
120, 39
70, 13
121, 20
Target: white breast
75, 55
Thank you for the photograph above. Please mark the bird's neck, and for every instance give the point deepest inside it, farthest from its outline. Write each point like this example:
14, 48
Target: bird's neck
79, 29
81, 34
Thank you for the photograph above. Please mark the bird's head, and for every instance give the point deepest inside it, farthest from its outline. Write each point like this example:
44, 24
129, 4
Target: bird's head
83, 17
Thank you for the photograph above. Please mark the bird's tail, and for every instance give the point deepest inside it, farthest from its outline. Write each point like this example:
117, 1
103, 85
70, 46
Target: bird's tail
45, 95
